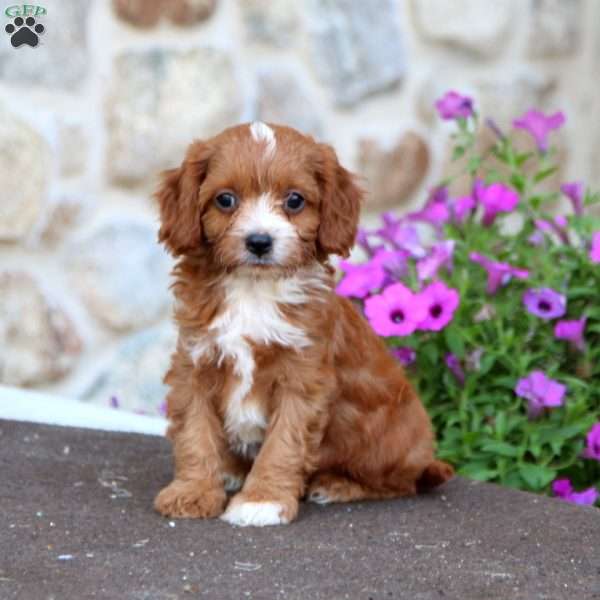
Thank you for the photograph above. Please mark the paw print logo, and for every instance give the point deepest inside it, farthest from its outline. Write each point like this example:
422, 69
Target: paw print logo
24, 32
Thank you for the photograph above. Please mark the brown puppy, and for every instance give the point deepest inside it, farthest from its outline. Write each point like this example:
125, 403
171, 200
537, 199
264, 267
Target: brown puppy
279, 388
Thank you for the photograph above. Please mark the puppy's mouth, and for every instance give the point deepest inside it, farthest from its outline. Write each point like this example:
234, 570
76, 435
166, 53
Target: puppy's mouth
260, 261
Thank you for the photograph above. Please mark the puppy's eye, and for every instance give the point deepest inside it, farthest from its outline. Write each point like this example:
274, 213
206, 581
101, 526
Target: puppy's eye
293, 203
226, 201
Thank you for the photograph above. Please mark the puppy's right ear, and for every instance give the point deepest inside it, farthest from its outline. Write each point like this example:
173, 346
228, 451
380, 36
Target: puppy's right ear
179, 202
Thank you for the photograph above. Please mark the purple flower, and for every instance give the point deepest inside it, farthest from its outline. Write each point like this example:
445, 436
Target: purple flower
453, 105
162, 408
571, 331
595, 249
563, 489
440, 303
462, 207
453, 363
499, 273
360, 280
557, 226
402, 236
114, 402
536, 238
436, 211
396, 311
495, 198
538, 125
473, 359
405, 355
560, 221
362, 239
592, 449
545, 303
574, 192
495, 128
441, 254
485, 313
543, 225
540, 392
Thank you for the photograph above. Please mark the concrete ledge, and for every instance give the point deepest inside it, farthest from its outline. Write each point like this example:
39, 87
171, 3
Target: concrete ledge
33, 407
77, 522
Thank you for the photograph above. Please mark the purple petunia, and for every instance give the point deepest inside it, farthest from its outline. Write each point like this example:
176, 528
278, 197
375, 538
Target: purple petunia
574, 192
453, 363
541, 392
495, 198
436, 211
396, 311
545, 303
595, 249
571, 331
557, 226
563, 489
538, 125
499, 273
440, 303
453, 105
462, 207
401, 235
406, 356
592, 448
536, 238
360, 280
362, 240
440, 255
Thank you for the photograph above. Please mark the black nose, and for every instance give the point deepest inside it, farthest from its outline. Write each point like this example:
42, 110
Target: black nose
259, 243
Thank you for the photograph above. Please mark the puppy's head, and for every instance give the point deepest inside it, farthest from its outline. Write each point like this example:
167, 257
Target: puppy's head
259, 197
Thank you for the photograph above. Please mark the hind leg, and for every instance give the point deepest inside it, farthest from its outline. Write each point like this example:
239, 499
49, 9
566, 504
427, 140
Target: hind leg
327, 487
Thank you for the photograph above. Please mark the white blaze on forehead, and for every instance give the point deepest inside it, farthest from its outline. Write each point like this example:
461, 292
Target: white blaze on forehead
262, 133
261, 216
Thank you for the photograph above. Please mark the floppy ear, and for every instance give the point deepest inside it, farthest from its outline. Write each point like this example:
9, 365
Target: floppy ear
179, 204
341, 198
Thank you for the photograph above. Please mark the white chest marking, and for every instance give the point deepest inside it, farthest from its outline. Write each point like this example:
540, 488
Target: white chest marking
251, 314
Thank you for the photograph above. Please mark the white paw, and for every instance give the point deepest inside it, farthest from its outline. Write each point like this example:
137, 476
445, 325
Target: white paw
319, 497
232, 483
257, 514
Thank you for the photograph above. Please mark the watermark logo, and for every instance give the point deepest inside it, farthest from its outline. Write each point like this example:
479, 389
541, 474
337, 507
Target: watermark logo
24, 30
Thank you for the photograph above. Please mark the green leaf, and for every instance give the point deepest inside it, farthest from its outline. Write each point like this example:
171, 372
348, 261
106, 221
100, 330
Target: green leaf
536, 476
501, 448
458, 152
474, 164
487, 362
455, 341
518, 181
521, 159
478, 471
544, 173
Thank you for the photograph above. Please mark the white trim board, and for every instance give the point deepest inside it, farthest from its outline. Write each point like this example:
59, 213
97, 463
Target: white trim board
35, 407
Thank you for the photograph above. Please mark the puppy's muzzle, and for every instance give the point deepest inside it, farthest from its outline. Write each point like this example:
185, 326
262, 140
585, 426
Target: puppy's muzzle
259, 244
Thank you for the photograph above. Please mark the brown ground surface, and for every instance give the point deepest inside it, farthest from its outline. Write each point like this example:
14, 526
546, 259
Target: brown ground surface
77, 522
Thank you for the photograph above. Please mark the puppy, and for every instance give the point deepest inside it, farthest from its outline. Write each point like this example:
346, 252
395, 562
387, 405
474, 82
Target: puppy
279, 389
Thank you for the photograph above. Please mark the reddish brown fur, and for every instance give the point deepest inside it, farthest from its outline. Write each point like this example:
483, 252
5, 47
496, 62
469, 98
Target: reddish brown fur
343, 421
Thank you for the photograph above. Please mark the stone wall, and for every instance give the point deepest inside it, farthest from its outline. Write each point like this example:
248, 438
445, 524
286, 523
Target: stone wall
115, 91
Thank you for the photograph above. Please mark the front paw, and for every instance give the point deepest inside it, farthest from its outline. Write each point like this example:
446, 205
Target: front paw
191, 499
247, 510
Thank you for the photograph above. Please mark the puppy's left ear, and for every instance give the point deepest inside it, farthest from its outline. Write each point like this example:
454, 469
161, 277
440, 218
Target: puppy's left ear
341, 198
